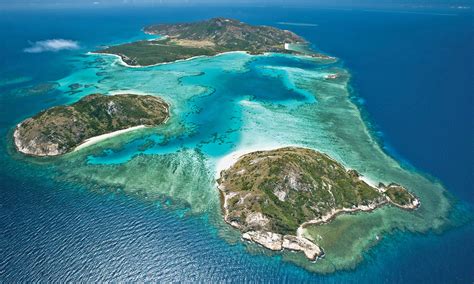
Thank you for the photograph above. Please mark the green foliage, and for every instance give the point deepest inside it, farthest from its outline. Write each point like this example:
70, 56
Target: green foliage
225, 34
399, 195
93, 115
294, 185
152, 52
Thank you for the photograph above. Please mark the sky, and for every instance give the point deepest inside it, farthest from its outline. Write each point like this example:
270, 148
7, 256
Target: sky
105, 3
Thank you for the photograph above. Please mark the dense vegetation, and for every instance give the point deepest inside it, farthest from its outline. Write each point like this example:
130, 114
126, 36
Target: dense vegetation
290, 186
60, 129
202, 38
146, 53
399, 196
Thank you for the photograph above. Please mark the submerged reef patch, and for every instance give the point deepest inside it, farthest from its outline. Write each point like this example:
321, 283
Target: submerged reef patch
217, 111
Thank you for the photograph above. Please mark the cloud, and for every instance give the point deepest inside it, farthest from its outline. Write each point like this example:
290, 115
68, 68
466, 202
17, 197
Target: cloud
53, 45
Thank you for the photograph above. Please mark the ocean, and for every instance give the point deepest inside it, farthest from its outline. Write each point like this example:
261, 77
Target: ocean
75, 219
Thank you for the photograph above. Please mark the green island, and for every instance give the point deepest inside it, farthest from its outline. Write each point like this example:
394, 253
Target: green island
204, 38
271, 196
62, 129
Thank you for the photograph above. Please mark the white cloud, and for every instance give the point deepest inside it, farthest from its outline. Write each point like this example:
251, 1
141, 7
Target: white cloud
53, 45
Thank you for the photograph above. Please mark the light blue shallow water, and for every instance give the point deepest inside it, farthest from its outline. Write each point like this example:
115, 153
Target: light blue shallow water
215, 114
64, 231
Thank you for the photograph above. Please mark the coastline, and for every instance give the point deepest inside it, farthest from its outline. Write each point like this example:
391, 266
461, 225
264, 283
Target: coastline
41, 146
96, 139
228, 160
299, 241
270, 240
123, 63
287, 47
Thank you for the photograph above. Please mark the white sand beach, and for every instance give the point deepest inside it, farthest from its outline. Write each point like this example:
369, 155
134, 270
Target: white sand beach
103, 137
123, 63
230, 159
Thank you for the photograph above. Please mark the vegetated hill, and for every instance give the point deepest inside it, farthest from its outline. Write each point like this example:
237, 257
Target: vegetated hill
279, 190
204, 38
60, 129
229, 34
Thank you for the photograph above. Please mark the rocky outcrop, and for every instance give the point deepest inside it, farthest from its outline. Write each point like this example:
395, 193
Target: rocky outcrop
278, 242
269, 240
310, 250
399, 196
34, 146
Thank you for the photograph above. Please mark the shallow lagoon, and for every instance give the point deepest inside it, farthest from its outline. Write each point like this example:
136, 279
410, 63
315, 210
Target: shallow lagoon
235, 102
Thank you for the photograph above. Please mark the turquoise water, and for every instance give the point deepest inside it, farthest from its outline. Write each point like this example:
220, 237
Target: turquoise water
143, 206
201, 93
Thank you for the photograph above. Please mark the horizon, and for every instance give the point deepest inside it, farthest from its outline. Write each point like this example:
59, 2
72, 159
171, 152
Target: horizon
97, 4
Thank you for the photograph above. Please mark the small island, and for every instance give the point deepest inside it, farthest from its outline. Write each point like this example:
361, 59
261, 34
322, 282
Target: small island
271, 196
62, 129
205, 38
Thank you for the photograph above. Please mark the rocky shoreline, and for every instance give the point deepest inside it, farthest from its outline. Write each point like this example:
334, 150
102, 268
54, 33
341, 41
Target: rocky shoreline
30, 148
273, 241
256, 226
278, 242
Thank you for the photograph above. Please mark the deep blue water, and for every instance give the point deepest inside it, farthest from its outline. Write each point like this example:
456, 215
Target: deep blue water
415, 73
412, 71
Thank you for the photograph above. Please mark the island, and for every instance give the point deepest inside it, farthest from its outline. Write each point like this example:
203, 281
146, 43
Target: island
271, 196
204, 38
62, 129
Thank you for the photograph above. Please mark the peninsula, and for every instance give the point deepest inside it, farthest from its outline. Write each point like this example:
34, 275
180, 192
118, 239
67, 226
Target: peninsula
271, 196
205, 38
62, 129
